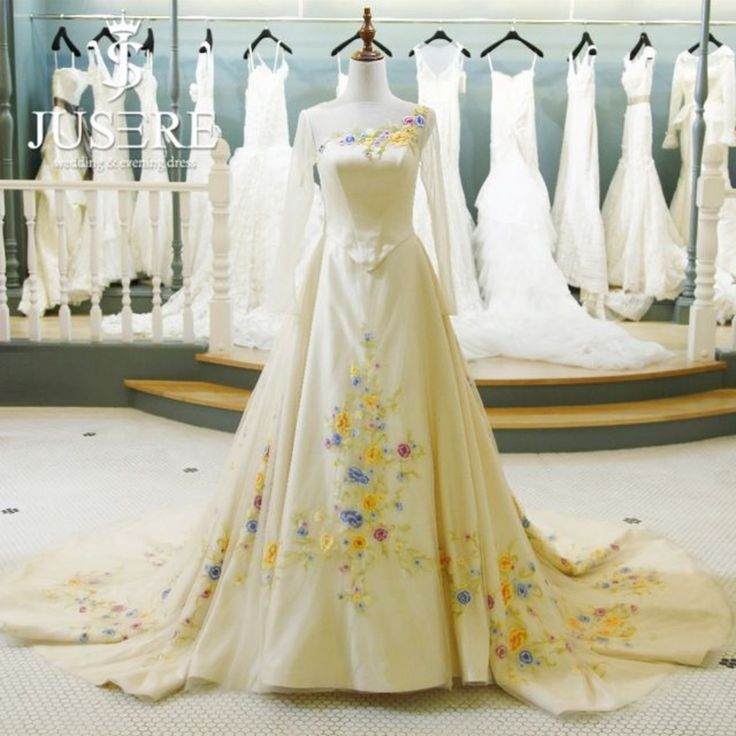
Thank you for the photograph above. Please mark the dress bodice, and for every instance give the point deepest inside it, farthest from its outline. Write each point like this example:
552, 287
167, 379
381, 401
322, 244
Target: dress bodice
100, 80
720, 105
440, 77
368, 178
69, 83
636, 77
513, 128
266, 122
147, 88
581, 75
637, 83
202, 91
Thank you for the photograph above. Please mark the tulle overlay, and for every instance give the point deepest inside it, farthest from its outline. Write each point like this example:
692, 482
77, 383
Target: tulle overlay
529, 311
363, 535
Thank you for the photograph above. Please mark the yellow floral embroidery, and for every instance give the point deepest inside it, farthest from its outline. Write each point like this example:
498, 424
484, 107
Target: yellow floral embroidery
269, 556
375, 141
374, 468
518, 636
630, 580
197, 603
464, 570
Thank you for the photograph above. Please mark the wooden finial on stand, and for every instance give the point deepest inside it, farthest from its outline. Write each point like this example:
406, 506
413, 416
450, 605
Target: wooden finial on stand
367, 33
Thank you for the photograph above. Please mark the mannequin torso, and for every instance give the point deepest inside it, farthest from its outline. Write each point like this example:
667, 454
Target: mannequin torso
366, 102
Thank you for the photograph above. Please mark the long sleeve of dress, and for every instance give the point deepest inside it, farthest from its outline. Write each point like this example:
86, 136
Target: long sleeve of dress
677, 100
300, 189
432, 178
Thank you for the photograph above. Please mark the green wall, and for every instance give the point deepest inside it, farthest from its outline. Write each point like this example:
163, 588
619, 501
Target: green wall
312, 71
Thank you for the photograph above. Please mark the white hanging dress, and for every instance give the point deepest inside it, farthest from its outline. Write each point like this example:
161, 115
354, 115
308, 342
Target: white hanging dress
720, 129
62, 163
441, 78
153, 169
259, 171
580, 249
202, 142
530, 312
363, 535
719, 115
646, 257
111, 163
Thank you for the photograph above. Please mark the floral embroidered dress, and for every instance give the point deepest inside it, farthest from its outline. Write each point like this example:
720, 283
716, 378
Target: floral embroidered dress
363, 535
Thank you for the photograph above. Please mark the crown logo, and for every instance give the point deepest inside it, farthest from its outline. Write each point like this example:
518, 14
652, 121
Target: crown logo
123, 28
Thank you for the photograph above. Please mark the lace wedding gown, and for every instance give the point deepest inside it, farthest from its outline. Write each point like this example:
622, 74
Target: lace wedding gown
259, 171
441, 79
153, 169
111, 163
580, 249
363, 535
530, 312
64, 163
646, 257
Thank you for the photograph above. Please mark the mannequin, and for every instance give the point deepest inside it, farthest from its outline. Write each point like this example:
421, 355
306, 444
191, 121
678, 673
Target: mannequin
367, 99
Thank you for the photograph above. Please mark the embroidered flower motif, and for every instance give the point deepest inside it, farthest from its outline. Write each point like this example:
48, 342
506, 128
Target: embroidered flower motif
463, 597
374, 141
269, 556
361, 526
352, 518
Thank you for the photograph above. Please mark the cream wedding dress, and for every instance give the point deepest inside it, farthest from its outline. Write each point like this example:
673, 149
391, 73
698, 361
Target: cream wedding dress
363, 535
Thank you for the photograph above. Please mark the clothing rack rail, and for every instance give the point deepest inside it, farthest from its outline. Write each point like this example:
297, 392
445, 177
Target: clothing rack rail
388, 19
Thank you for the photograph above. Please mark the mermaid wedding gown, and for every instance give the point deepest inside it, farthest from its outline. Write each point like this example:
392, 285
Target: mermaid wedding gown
646, 257
529, 311
363, 535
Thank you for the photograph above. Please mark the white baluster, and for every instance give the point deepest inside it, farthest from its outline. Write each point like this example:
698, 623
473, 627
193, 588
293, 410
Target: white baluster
65, 316
154, 210
701, 343
186, 255
127, 311
95, 313
221, 308
34, 314
4, 311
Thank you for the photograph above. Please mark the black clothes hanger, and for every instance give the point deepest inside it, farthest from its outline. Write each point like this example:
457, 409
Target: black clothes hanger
207, 39
640, 44
711, 38
440, 35
586, 39
512, 35
148, 43
61, 35
264, 34
355, 37
104, 33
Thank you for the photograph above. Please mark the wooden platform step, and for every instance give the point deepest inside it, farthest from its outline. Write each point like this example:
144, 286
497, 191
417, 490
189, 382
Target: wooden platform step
719, 402
203, 393
503, 372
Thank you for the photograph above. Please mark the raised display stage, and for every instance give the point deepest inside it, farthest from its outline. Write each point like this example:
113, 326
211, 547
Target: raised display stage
532, 406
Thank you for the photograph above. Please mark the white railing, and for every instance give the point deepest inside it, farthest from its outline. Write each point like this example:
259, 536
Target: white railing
218, 189
701, 342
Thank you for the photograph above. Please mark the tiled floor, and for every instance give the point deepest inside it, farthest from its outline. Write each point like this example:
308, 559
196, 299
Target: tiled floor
63, 470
